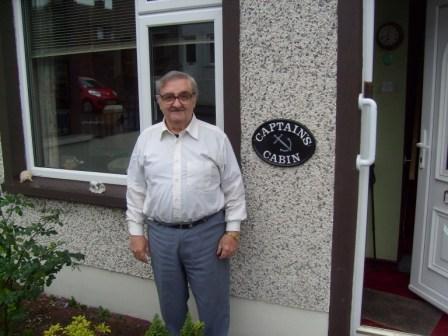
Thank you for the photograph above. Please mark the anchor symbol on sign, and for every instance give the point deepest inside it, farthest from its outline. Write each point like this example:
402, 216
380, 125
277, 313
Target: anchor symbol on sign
287, 148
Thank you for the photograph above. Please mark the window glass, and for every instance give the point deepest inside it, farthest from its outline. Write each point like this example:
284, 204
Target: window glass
82, 71
188, 48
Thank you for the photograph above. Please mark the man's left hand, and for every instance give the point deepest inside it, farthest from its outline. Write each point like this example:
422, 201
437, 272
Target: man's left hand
227, 247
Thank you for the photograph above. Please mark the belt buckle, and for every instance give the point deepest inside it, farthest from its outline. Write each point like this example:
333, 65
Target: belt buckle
185, 226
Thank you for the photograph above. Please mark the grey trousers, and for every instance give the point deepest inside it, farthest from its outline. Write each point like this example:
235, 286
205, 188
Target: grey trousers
188, 256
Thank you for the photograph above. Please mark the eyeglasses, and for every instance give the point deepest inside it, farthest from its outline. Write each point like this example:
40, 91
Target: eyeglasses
184, 97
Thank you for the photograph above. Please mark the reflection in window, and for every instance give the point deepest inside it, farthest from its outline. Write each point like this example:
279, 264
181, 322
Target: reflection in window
188, 48
83, 83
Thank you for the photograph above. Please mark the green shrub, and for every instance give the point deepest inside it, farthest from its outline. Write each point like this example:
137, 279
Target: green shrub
157, 328
189, 328
79, 326
26, 265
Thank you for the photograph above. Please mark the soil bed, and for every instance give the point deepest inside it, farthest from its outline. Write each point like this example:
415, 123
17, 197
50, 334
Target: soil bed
49, 310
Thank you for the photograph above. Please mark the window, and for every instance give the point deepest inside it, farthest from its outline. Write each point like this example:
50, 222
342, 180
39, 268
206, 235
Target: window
82, 81
188, 40
86, 72
81, 60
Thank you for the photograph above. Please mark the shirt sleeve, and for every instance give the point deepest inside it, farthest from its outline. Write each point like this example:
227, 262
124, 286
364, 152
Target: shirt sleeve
136, 191
233, 189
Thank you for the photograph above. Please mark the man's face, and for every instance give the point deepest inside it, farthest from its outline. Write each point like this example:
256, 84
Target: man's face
177, 102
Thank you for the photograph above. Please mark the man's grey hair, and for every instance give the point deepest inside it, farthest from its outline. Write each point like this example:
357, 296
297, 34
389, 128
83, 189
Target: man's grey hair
176, 75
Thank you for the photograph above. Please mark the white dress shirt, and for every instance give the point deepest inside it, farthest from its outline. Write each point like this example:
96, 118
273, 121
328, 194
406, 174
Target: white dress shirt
182, 179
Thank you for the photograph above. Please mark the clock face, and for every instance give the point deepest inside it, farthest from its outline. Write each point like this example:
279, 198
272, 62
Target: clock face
389, 36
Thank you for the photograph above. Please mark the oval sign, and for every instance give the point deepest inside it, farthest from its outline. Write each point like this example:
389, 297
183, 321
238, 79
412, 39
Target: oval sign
283, 142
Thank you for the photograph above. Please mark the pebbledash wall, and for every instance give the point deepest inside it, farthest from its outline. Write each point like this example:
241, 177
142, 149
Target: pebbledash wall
288, 70
281, 275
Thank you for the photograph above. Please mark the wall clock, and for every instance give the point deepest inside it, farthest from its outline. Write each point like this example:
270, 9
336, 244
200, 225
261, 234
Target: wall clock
389, 35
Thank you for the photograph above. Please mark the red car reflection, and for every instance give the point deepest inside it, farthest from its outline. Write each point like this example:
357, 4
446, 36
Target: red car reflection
95, 96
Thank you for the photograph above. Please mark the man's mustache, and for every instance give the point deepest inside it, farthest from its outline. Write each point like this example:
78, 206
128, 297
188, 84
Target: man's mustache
177, 109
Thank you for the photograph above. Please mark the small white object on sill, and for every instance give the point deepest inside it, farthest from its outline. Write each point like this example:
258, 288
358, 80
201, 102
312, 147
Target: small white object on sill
97, 187
25, 175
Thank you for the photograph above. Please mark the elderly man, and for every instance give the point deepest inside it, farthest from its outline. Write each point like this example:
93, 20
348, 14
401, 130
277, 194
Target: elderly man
185, 184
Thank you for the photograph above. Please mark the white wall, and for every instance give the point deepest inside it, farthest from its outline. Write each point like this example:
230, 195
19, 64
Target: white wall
138, 297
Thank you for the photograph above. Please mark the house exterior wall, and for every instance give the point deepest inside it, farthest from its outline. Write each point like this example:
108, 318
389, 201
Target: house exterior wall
288, 70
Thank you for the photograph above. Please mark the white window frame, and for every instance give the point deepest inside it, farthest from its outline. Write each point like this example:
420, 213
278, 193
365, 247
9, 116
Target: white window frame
144, 22
159, 16
145, 6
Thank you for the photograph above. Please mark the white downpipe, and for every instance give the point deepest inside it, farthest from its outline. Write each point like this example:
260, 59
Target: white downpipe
364, 160
368, 17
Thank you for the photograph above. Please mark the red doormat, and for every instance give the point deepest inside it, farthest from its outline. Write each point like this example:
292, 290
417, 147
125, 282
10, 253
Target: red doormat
383, 281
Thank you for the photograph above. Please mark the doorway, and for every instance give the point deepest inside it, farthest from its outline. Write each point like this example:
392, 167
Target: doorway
398, 91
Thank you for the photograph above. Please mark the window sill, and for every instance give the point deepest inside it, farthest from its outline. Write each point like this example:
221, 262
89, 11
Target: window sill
70, 191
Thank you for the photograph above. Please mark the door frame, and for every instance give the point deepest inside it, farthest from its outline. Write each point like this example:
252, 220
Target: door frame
351, 253
349, 84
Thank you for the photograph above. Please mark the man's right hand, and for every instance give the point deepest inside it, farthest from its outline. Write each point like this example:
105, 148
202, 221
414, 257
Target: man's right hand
140, 247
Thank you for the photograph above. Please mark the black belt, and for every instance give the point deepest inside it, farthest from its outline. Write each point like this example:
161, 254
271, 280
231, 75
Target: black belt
186, 225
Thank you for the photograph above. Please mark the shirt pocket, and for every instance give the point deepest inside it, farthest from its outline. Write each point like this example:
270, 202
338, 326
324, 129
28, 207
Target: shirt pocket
201, 176
157, 171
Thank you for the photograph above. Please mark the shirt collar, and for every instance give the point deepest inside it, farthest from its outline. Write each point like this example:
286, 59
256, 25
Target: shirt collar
192, 128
